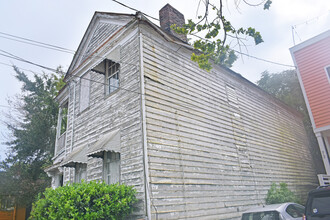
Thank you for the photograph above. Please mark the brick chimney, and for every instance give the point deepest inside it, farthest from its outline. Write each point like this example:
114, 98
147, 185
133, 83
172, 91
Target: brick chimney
168, 16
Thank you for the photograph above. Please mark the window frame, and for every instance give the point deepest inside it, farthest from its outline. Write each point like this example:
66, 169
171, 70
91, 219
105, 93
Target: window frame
110, 74
262, 214
80, 172
63, 118
107, 162
295, 209
85, 84
327, 72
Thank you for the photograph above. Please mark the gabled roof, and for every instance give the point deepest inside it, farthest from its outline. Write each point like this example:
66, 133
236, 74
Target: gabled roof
310, 41
124, 21
118, 22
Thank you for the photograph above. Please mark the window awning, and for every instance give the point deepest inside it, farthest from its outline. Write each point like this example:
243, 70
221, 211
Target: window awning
114, 56
76, 156
55, 168
109, 142
100, 68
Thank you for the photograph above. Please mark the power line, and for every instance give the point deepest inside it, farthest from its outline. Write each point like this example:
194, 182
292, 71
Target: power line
9, 55
54, 70
180, 104
307, 22
12, 65
65, 50
135, 10
36, 43
254, 57
261, 59
310, 20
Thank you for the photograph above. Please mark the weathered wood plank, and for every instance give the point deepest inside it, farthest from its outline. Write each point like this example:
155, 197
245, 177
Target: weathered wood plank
201, 148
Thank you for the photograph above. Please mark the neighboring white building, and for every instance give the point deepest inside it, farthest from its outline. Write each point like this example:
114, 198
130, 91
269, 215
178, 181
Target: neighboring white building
194, 144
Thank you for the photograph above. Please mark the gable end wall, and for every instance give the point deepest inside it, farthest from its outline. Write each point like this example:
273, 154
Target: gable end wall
311, 61
120, 110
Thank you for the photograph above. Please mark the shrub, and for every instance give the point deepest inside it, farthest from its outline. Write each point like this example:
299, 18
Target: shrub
91, 200
280, 194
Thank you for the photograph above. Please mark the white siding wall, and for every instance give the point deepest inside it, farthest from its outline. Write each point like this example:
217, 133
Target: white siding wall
120, 110
210, 158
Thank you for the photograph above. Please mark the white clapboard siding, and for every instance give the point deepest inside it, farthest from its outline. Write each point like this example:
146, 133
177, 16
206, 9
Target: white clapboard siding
215, 141
120, 110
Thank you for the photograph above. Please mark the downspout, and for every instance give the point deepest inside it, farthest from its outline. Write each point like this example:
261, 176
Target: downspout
144, 133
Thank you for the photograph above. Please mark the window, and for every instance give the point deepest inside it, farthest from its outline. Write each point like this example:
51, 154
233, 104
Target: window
63, 118
327, 70
295, 211
267, 215
320, 205
112, 77
58, 180
111, 167
80, 172
84, 91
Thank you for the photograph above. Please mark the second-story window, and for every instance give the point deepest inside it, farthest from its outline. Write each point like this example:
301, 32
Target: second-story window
84, 91
112, 76
63, 118
327, 70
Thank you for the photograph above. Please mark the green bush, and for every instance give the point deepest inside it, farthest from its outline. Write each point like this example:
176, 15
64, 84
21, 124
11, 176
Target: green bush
280, 194
91, 200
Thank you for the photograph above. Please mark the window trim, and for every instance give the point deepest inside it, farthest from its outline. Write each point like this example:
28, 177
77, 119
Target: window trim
106, 171
80, 172
108, 77
85, 77
327, 72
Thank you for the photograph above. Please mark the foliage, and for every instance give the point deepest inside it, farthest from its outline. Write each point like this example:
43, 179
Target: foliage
285, 86
280, 194
86, 201
33, 131
216, 31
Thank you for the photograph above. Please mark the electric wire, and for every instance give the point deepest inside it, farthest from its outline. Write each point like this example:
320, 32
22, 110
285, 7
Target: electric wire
135, 10
52, 47
38, 42
54, 70
182, 106
34, 44
264, 60
312, 19
307, 22
65, 50
12, 65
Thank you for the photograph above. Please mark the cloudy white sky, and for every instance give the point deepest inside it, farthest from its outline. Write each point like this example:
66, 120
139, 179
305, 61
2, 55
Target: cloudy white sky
63, 23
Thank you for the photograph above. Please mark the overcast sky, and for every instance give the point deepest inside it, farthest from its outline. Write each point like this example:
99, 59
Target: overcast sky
64, 22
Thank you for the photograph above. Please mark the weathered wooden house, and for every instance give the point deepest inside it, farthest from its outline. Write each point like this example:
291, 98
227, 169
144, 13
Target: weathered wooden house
195, 144
312, 58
